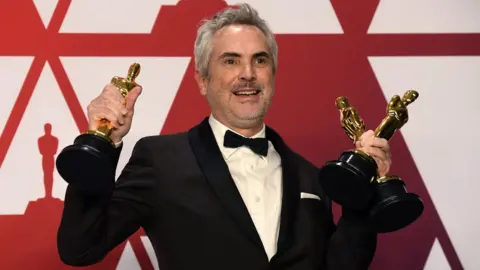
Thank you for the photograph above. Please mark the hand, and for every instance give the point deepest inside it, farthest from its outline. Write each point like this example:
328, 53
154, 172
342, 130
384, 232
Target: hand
111, 105
378, 149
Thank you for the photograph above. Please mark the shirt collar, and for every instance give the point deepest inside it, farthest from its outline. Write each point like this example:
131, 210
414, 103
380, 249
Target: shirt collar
219, 130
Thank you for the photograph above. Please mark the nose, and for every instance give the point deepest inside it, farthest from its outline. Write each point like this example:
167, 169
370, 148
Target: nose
247, 73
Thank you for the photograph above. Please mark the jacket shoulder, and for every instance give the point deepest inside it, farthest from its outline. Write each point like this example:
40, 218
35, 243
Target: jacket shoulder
162, 139
166, 144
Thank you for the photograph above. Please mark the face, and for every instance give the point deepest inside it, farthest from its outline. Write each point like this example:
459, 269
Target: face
240, 84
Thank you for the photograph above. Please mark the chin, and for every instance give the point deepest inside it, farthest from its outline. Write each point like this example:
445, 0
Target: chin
258, 116
246, 123
250, 112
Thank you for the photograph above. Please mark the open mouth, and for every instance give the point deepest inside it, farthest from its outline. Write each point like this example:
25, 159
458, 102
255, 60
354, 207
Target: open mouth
246, 93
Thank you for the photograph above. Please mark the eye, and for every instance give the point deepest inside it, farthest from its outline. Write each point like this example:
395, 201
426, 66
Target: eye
261, 61
230, 61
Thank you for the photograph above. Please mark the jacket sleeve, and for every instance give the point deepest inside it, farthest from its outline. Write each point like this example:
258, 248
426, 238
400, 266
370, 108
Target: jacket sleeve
353, 243
92, 225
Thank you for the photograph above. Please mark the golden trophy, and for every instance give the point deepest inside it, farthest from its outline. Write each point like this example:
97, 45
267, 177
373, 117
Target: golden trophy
352, 180
90, 162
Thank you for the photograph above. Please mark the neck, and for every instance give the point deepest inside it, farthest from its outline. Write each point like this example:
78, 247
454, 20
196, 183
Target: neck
247, 132
246, 128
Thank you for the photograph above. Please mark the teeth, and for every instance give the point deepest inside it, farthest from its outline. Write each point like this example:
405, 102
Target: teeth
246, 93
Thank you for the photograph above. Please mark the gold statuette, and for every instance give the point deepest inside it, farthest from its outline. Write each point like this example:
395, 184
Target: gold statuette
124, 85
350, 120
397, 115
353, 181
89, 163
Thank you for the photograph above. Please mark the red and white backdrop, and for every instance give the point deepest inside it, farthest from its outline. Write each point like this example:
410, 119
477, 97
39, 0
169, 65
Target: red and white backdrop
56, 55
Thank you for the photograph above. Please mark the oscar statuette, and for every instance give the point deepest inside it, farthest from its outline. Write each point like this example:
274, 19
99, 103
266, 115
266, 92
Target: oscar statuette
352, 180
347, 180
87, 163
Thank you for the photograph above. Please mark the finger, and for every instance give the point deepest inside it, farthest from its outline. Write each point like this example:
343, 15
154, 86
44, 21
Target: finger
375, 153
113, 93
379, 163
115, 105
132, 98
367, 134
112, 105
108, 114
365, 137
382, 167
383, 162
369, 139
110, 94
377, 142
106, 118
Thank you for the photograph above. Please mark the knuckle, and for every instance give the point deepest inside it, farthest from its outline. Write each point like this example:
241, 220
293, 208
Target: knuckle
109, 91
93, 112
103, 113
89, 110
94, 103
110, 87
111, 101
106, 89
117, 94
120, 117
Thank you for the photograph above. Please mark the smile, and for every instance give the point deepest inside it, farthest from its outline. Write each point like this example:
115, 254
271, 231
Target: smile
247, 93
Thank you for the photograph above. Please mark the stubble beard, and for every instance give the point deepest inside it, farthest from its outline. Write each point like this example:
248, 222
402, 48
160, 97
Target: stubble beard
250, 120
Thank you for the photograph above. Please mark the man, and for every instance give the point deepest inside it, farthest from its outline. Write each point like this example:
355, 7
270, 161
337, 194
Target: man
209, 198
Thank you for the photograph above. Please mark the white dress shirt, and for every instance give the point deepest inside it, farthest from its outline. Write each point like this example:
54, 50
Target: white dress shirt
259, 181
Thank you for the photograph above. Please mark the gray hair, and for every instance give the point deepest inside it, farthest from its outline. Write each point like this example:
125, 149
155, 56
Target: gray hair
244, 14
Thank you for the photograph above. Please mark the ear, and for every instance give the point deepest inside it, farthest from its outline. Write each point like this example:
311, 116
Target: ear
201, 82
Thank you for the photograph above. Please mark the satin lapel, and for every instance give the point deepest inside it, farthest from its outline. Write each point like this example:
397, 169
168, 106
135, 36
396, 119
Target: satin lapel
291, 192
216, 171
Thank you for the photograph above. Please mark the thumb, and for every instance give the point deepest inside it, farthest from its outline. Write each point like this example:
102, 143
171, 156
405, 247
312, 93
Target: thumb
132, 98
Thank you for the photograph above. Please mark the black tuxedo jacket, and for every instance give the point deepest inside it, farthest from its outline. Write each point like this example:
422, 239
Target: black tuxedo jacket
178, 188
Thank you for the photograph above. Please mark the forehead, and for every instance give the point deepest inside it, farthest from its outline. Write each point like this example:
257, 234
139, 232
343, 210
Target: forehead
243, 39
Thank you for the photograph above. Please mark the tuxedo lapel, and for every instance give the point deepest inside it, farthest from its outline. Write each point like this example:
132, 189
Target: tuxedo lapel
291, 192
215, 169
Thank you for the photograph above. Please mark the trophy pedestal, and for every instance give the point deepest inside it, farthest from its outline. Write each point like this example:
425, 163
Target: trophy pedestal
347, 181
394, 208
87, 163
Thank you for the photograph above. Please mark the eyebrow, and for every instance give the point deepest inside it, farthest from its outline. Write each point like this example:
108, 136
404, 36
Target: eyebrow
261, 54
234, 54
